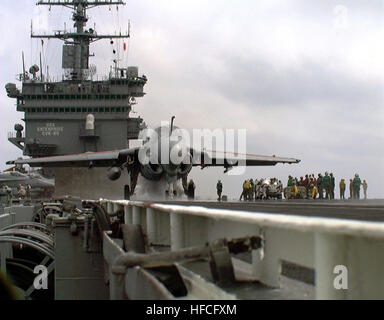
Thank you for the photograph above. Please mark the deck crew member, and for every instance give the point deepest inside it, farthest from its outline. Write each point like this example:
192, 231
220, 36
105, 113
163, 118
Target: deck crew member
350, 189
332, 186
320, 186
327, 183
294, 190
281, 189
264, 190
28, 192
219, 188
290, 181
243, 193
247, 190
356, 186
191, 190
8, 191
312, 189
251, 190
342, 186
365, 187
21, 191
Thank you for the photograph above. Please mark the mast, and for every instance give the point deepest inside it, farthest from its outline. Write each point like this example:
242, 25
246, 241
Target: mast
76, 44
23, 78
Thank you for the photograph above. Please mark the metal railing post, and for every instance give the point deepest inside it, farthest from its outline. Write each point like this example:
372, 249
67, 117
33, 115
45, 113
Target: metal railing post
330, 252
116, 286
136, 215
109, 207
151, 226
116, 207
177, 231
128, 214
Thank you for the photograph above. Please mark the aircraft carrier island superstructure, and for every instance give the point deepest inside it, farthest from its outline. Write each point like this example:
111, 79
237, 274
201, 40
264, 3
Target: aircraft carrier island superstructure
77, 114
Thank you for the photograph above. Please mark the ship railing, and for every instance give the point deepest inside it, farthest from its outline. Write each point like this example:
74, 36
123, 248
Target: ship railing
13, 135
346, 256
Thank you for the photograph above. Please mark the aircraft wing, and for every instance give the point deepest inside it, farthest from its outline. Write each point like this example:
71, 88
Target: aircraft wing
89, 159
119, 157
14, 176
228, 159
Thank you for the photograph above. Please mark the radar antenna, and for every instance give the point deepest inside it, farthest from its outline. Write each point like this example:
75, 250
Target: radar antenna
76, 48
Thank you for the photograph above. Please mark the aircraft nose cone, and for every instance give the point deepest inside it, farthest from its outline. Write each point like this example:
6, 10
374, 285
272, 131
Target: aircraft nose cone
178, 154
175, 153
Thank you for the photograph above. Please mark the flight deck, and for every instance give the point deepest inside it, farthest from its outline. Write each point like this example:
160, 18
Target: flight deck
364, 210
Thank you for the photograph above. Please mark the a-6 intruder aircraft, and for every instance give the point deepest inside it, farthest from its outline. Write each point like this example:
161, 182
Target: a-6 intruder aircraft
147, 160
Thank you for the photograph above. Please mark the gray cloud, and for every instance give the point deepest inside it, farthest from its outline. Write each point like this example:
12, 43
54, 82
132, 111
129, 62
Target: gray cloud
258, 83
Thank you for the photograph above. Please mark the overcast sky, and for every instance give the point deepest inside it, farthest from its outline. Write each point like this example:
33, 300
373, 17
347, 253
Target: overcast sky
304, 77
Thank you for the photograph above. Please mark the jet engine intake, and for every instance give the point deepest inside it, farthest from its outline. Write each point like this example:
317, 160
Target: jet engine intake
185, 167
152, 172
114, 173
